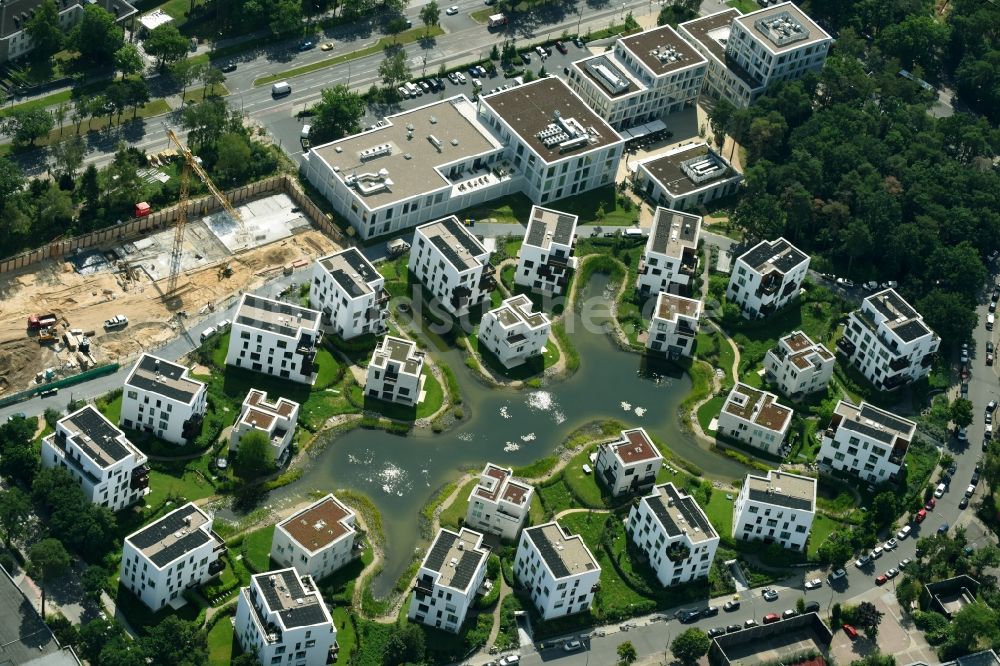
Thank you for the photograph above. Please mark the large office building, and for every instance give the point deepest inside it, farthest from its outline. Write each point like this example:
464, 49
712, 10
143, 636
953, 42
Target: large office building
15, 16
545, 258
111, 471
557, 569
452, 264
798, 366
670, 258
499, 503
628, 464
755, 418
686, 177
767, 277
395, 372
513, 333
777, 508
449, 579
275, 338
350, 293
674, 325
159, 397
866, 441
275, 418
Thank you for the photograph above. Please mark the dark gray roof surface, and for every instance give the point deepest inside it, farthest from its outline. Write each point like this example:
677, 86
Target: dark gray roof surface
164, 527
23, 635
439, 551
779, 499
102, 437
176, 387
780, 253
548, 552
306, 615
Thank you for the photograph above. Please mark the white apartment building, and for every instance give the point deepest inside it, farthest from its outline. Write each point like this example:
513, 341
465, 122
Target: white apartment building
513, 333
396, 371
15, 41
799, 366
557, 568
546, 256
767, 277
674, 533
449, 579
748, 52
646, 76
866, 441
499, 504
275, 418
777, 508
281, 617
111, 471
170, 555
755, 418
432, 161
674, 325
670, 258
452, 264
275, 338
888, 341
628, 464
686, 177
350, 293
159, 397
317, 540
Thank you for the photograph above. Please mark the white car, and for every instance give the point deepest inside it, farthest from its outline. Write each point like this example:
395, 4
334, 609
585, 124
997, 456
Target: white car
814, 583
509, 660
939, 491
905, 532
451, 11
572, 646
461, 77
890, 544
877, 553
477, 83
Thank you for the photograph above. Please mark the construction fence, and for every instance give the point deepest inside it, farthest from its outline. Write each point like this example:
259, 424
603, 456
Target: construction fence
86, 375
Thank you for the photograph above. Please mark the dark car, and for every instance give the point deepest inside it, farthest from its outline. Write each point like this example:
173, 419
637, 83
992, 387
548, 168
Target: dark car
231, 67
711, 611
943, 529
811, 607
989, 346
716, 631
688, 615
964, 502
526, 57
731, 605
561, 48
733, 628
306, 45
975, 477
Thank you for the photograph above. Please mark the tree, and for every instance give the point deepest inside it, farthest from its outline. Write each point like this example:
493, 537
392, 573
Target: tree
47, 561
971, 624
868, 617
884, 509
286, 17
396, 26
961, 412
18, 455
690, 646
128, 60
211, 77
97, 37
835, 550
760, 217
184, 72
11, 179
405, 646
254, 457
337, 113
93, 581
626, 653
67, 155
166, 44
907, 591
430, 14
916, 41
90, 188
946, 315
25, 126
875, 659
176, 643
856, 241
205, 121
45, 32
394, 69
14, 512
233, 156
136, 94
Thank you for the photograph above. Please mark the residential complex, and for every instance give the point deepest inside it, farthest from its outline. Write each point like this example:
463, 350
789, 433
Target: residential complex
317, 540
395, 372
646, 76
111, 471
673, 532
670, 259
538, 138
498, 504
546, 256
170, 555
452, 264
159, 397
628, 464
767, 277
449, 579
275, 338
865, 441
755, 418
281, 617
276, 419
513, 333
674, 325
686, 177
888, 341
15, 15
798, 366
748, 52
350, 293
558, 569
777, 508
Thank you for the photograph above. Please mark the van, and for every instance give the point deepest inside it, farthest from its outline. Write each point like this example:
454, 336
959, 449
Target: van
396, 247
305, 131
634, 232
990, 320
281, 89
207, 333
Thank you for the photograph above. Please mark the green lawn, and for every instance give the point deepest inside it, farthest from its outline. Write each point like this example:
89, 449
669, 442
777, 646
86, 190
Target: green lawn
709, 411
193, 95
713, 348
140, 617
256, 549
531, 368
745, 6
346, 636
822, 527
181, 480
220, 643
516, 208
720, 513
555, 496
451, 516
583, 486
112, 410
433, 399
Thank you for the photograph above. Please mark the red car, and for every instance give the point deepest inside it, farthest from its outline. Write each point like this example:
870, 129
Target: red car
881, 579
771, 617
931, 503
850, 631
561, 48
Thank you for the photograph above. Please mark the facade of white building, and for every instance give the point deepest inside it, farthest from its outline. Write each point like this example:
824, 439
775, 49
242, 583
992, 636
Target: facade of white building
777, 508
767, 277
15, 41
798, 366
686, 177
449, 579
645, 76
866, 441
888, 341
317, 540
628, 464
170, 555
395, 372
160, 398
674, 533
275, 338
111, 471
499, 504
755, 418
350, 293
558, 569
282, 618
674, 325
546, 256
670, 258
276, 419
452, 264
513, 333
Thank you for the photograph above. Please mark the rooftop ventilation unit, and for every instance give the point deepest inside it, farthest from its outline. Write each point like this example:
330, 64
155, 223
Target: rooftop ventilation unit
435, 141
608, 75
376, 151
703, 168
666, 54
781, 28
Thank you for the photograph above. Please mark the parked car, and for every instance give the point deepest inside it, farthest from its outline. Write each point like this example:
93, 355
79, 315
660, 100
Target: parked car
943, 528
905, 562
939, 491
561, 48
892, 573
881, 579
326, 46
811, 607
461, 77
769, 594
229, 67
572, 646
790, 612
749, 623
509, 660
989, 348
962, 435
711, 611
771, 618
919, 518
850, 631
862, 561
837, 574
526, 58
451, 11
871, 285
731, 605
931, 503
975, 477
970, 490
306, 45
845, 283
732, 628
905, 532
717, 631
688, 615
814, 583
890, 544
963, 503
877, 552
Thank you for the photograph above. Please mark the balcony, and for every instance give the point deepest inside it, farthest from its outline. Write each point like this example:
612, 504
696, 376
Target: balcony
71, 462
382, 297
425, 585
899, 363
140, 478
560, 260
846, 347
489, 281
685, 330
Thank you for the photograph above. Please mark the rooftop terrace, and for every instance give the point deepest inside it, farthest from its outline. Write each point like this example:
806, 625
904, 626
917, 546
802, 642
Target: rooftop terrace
688, 169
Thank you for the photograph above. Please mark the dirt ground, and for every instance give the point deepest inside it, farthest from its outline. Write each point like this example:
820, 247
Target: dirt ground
85, 301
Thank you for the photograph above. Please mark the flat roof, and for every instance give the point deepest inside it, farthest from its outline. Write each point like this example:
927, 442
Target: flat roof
531, 109
564, 554
782, 27
258, 398
802, 350
610, 76
778, 255
159, 376
688, 169
669, 306
783, 489
759, 407
459, 247
319, 524
24, 637
673, 232
402, 351
899, 316
712, 32
498, 482
547, 226
635, 446
173, 536
352, 271
874, 423
517, 310
276, 316
456, 557
678, 513
293, 598
661, 50
411, 159
97, 437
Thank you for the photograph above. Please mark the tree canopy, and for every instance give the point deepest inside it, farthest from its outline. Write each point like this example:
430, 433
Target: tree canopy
97, 37
254, 457
690, 645
337, 113
166, 44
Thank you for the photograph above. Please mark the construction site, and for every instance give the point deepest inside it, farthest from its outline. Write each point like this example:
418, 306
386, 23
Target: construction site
107, 304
